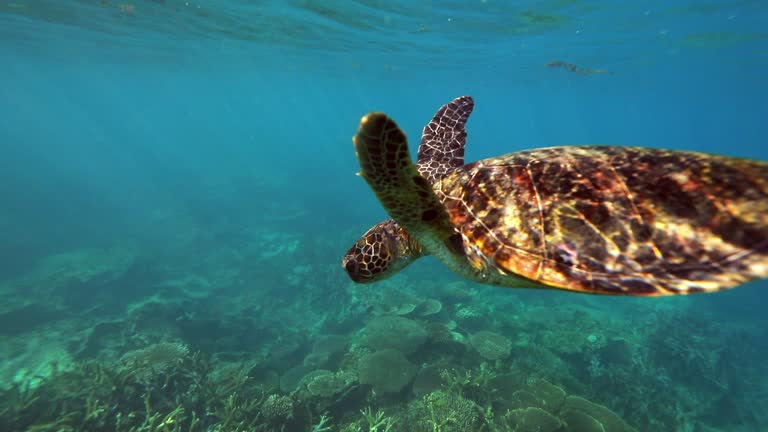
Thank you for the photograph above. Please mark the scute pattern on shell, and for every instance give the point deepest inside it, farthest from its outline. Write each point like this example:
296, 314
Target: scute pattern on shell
613, 220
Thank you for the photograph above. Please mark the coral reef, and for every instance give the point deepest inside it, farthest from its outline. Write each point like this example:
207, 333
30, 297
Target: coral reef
282, 346
179, 396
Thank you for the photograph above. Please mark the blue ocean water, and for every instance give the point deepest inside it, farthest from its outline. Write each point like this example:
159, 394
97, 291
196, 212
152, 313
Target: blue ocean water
181, 172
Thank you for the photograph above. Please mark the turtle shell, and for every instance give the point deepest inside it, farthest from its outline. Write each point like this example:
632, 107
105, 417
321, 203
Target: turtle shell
613, 220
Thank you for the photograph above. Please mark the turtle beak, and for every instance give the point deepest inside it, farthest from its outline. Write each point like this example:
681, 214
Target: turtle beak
349, 265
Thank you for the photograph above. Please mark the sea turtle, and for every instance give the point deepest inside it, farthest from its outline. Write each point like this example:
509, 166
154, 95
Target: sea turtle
386, 248
593, 219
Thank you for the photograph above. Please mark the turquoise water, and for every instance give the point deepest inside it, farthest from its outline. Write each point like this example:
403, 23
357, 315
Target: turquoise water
178, 188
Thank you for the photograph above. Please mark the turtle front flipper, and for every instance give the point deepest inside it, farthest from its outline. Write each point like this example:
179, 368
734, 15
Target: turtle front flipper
443, 139
387, 248
385, 162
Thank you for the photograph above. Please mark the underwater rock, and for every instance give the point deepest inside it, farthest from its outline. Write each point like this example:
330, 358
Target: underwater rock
83, 266
75, 279
29, 360
505, 384
155, 318
274, 244
291, 378
266, 378
616, 352
505, 388
300, 275
438, 331
388, 371
491, 346
330, 343
28, 317
217, 335
316, 360
104, 340
284, 349
189, 286
395, 332
427, 380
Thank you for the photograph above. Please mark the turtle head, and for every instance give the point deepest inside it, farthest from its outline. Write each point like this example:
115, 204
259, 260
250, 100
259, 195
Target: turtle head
381, 252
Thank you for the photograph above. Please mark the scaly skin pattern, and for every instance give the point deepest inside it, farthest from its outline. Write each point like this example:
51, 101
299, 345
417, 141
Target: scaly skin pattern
386, 248
382, 251
444, 138
612, 220
385, 164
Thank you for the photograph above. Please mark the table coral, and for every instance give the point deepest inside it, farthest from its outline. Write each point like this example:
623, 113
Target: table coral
388, 371
491, 346
395, 332
543, 407
331, 383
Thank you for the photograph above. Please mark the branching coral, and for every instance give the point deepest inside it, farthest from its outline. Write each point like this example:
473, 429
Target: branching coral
471, 383
322, 425
181, 396
377, 422
444, 412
